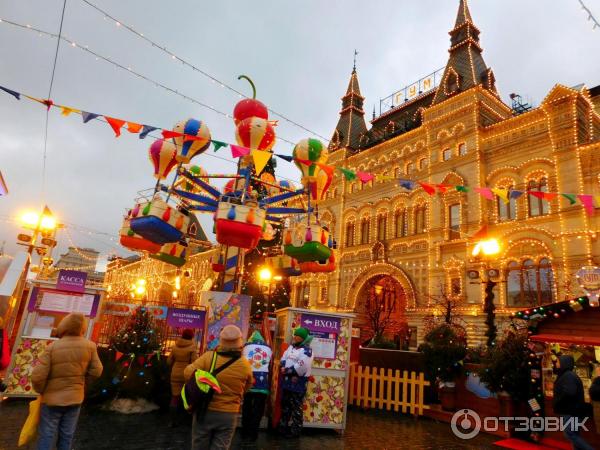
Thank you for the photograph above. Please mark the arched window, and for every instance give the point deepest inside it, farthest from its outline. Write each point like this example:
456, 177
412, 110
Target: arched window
454, 221
507, 211
364, 231
529, 284
423, 163
400, 223
451, 83
349, 234
381, 228
538, 206
397, 172
410, 168
462, 149
447, 154
420, 219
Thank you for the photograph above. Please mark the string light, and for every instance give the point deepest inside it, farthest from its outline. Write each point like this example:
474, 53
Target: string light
590, 16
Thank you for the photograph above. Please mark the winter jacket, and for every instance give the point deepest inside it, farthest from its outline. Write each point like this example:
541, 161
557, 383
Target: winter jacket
568, 398
234, 381
297, 362
258, 354
183, 353
595, 390
66, 365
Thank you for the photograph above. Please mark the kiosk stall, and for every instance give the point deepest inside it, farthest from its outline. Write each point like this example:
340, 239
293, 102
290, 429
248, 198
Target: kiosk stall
47, 304
326, 399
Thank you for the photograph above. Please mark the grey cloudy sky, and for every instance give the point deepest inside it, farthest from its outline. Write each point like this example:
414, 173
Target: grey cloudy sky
298, 53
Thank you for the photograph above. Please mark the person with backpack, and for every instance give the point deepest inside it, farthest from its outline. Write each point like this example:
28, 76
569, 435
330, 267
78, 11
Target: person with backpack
258, 354
296, 364
64, 369
214, 428
183, 353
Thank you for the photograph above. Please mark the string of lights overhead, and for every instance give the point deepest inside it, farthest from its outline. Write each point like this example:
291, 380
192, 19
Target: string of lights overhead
591, 18
119, 23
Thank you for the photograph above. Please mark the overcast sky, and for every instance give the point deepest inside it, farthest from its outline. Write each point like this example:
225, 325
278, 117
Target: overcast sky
299, 54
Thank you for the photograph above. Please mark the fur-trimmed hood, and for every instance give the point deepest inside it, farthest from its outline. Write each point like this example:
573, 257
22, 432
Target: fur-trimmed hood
73, 324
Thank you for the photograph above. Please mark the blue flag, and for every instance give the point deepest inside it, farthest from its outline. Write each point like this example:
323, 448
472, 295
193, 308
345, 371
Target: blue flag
15, 94
406, 184
87, 116
145, 130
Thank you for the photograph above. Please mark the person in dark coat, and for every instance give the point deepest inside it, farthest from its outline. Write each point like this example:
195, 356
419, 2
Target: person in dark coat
569, 401
595, 397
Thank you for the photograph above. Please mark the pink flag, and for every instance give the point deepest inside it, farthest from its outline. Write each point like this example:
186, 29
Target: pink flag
365, 177
485, 192
588, 203
237, 151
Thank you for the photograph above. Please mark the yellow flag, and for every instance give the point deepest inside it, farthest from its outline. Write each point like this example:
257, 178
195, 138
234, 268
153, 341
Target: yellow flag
66, 110
261, 158
597, 198
502, 193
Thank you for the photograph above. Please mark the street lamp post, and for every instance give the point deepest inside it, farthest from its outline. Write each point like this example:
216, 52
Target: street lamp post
484, 250
265, 275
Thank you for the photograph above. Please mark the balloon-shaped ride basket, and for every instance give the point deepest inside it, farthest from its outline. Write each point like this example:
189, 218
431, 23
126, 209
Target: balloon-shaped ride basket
319, 266
158, 222
172, 253
283, 265
239, 225
132, 241
307, 243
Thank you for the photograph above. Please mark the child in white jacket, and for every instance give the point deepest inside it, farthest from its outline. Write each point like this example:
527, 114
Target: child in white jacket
296, 365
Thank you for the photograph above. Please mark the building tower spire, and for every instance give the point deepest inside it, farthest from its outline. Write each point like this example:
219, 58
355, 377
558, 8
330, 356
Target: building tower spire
351, 124
466, 67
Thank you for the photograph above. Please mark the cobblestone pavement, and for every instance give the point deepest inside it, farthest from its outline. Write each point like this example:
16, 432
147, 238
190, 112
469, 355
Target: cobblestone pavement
103, 430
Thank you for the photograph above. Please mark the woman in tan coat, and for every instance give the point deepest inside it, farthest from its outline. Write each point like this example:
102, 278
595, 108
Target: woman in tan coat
183, 353
60, 377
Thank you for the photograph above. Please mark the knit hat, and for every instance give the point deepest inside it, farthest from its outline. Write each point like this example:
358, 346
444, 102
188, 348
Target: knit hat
302, 332
187, 334
231, 338
73, 324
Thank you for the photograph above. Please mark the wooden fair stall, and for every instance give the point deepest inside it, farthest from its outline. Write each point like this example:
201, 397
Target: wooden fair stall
326, 399
47, 304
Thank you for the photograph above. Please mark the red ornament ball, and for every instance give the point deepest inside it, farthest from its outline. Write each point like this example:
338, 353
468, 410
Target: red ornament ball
249, 107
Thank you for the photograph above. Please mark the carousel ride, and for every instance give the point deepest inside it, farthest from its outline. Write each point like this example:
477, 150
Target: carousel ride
253, 208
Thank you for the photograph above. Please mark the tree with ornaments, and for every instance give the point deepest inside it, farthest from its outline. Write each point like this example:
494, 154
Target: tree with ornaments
135, 368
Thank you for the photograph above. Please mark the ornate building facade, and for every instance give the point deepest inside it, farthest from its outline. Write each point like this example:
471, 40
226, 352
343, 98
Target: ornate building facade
414, 246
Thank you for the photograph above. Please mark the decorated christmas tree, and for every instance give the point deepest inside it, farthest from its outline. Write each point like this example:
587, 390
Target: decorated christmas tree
133, 366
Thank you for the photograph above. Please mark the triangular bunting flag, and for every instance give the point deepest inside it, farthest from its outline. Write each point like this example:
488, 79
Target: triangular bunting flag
237, 151
515, 194
133, 127
87, 116
306, 162
430, 189
502, 193
146, 129
65, 110
571, 197
287, 158
442, 188
462, 188
15, 94
347, 173
260, 158
218, 145
481, 234
536, 194
588, 203
406, 184
597, 198
115, 124
549, 196
168, 134
364, 177
327, 169
485, 192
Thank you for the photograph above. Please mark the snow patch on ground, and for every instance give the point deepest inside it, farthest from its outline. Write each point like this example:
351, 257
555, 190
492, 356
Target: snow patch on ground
131, 406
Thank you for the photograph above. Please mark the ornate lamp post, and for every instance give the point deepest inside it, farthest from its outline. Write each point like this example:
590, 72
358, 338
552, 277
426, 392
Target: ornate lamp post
484, 251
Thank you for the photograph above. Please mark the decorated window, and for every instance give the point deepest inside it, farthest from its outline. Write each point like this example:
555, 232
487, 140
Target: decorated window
529, 284
410, 168
401, 224
446, 154
420, 219
462, 149
506, 211
350, 234
381, 228
423, 163
454, 220
364, 231
537, 205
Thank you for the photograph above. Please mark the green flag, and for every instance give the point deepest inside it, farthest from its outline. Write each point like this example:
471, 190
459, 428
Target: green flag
348, 174
462, 188
218, 145
571, 197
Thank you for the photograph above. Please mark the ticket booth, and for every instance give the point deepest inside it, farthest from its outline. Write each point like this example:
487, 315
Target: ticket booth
47, 304
326, 398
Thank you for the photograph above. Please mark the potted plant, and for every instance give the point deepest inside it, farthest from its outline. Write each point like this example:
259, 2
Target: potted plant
444, 349
506, 370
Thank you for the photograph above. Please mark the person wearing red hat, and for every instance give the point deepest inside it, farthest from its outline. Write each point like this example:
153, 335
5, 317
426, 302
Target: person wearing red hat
215, 429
